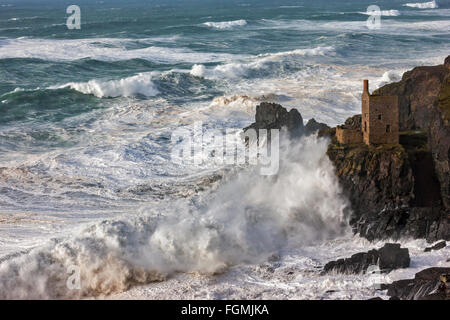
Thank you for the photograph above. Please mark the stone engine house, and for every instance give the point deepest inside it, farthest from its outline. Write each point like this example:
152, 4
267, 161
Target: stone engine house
379, 121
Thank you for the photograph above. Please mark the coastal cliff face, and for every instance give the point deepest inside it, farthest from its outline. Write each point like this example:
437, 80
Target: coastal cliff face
403, 190
418, 92
392, 189
439, 133
424, 104
395, 190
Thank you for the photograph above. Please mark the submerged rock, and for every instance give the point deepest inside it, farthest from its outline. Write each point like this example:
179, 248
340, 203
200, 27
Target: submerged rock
437, 246
428, 284
388, 258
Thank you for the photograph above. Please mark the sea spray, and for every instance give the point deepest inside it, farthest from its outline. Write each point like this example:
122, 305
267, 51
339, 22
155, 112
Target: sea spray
246, 220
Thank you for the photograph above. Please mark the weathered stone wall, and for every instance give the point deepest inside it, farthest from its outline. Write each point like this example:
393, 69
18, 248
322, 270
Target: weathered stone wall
380, 120
345, 135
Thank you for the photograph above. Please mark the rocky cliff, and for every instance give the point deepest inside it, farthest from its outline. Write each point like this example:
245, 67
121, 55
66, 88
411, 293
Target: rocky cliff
395, 190
392, 189
424, 104
403, 190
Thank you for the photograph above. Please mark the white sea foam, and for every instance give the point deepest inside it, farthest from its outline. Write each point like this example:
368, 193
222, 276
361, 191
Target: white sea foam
141, 84
246, 220
226, 24
389, 26
258, 63
423, 5
388, 77
105, 49
387, 13
296, 275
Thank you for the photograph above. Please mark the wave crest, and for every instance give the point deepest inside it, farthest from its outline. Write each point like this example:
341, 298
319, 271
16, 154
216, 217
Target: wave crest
140, 84
387, 13
248, 219
226, 24
423, 5
260, 63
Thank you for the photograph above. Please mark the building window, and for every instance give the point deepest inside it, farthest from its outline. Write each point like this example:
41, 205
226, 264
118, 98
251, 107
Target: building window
388, 128
379, 117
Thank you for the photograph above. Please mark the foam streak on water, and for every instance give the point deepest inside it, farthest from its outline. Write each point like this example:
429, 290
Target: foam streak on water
86, 119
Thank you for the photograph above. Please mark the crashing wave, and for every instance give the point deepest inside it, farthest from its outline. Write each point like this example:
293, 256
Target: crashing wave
260, 62
245, 221
103, 49
387, 13
140, 84
423, 5
226, 24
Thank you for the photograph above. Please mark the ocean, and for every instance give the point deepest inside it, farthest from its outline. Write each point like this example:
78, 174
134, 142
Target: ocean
86, 124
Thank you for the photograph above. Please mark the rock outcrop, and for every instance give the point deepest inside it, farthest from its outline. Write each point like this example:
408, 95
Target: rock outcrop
438, 246
428, 284
424, 104
388, 258
403, 190
312, 126
274, 116
395, 190
385, 189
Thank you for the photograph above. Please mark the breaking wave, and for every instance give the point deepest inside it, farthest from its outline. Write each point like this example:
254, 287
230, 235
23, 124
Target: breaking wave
226, 24
140, 84
246, 220
103, 49
387, 13
261, 62
423, 5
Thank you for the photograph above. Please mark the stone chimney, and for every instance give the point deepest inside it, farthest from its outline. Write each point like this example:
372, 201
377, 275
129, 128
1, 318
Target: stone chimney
366, 86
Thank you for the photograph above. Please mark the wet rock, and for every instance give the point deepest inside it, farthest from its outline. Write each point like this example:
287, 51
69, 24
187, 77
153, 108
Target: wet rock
388, 258
274, 116
312, 126
428, 284
392, 256
437, 246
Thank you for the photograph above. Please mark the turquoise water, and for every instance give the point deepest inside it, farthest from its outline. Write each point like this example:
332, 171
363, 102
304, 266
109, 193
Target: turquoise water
87, 119
86, 115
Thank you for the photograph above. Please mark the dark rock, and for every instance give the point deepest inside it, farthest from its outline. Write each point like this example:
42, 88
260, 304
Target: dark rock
437, 246
274, 116
439, 136
376, 298
391, 257
394, 298
312, 126
418, 92
428, 284
353, 123
388, 258
424, 104
403, 190
379, 183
